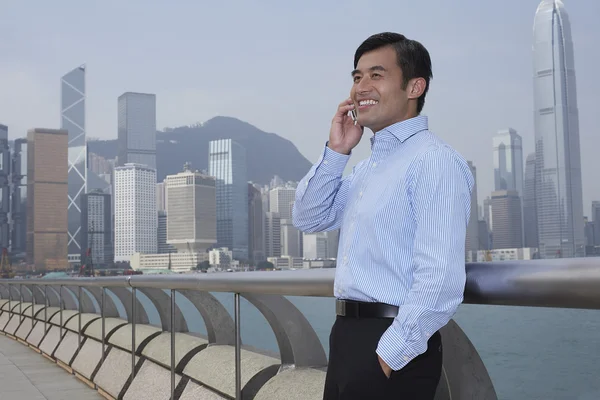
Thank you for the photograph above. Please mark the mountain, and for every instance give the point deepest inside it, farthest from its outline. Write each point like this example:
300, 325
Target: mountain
267, 153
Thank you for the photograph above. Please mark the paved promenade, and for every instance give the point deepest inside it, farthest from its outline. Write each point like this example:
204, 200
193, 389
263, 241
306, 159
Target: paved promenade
26, 375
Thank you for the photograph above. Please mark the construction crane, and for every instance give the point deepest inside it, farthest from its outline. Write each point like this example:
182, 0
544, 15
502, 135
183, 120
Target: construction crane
6, 271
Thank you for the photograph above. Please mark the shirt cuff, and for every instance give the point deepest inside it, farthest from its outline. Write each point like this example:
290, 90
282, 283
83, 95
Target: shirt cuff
394, 350
333, 162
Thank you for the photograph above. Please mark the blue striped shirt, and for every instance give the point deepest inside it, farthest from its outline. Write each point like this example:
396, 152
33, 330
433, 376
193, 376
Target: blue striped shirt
402, 214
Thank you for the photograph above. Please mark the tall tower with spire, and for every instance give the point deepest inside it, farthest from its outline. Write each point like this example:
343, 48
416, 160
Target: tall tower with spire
558, 185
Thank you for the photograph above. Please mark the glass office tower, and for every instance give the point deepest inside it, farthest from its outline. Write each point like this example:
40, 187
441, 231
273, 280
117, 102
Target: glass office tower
227, 163
72, 113
557, 150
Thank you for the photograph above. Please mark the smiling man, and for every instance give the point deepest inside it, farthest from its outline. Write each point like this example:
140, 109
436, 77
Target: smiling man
402, 215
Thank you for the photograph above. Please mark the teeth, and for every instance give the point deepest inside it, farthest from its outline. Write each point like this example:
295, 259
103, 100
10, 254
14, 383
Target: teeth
367, 102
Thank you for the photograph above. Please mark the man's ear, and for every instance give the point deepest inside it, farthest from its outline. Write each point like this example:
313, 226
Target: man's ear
416, 87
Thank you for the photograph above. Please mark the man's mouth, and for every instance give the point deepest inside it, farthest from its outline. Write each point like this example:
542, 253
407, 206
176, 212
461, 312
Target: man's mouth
367, 103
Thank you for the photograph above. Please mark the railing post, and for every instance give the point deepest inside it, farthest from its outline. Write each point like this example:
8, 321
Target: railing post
79, 308
103, 323
173, 293
32, 304
20, 303
60, 302
133, 295
238, 350
46, 302
9, 298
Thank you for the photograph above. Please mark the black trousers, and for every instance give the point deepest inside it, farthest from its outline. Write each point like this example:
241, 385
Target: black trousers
354, 371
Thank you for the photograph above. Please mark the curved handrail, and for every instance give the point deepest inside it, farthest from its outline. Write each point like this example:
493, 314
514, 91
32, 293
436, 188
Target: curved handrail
562, 283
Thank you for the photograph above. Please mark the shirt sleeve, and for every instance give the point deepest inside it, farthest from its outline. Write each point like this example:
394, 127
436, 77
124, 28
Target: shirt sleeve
441, 201
321, 195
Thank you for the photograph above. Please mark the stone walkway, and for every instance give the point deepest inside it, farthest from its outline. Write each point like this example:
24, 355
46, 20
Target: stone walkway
27, 375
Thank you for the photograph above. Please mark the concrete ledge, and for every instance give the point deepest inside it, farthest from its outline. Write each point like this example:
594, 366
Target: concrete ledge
73, 323
37, 333
88, 359
13, 324
215, 367
51, 340
50, 312
159, 348
122, 336
151, 382
67, 314
94, 330
25, 328
67, 347
294, 384
194, 391
4, 318
114, 372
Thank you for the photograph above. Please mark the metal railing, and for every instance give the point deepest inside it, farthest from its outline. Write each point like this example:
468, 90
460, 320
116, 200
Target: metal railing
560, 283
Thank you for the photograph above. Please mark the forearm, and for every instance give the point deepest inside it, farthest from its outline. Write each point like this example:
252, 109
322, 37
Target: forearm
423, 313
321, 194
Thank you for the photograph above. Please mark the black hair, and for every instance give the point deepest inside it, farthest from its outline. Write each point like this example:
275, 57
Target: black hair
412, 57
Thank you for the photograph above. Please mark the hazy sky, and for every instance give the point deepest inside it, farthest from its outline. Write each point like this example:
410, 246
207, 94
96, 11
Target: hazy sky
284, 66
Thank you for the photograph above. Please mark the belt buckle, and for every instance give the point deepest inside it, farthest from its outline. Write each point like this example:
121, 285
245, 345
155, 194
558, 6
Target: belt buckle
340, 308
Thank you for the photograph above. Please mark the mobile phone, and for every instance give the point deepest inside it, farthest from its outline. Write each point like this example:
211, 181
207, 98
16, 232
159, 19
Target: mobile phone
354, 116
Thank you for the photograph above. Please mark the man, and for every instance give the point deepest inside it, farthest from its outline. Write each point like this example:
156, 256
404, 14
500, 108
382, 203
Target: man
402, 215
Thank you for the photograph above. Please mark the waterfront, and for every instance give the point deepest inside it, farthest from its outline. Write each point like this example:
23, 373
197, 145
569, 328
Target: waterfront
530, 353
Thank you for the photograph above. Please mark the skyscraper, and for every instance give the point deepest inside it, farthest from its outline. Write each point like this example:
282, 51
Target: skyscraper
508, 161
227, 162
137, 129
19, 196
472, 237
4, 188
136, 218
96, 223
530, 233
191, 211
559, 195
47, 215
506, 209
72, 119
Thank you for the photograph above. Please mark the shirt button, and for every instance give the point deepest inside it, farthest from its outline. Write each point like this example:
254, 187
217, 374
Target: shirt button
325, 162
374, 164
406, 358
360, 194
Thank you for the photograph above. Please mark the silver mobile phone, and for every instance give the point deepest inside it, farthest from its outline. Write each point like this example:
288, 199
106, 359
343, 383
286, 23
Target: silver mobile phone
354, 116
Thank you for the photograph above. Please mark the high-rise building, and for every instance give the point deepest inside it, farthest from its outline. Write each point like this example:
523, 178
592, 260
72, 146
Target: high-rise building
5, 185
19, 197
472, 237
596, 221
272, 234
161, 199
191, 211
161, 234
508, 160
47, 198
96, 223
506, 209
256, 225
72, 119
135, 211
530, 233
559, 195
227, 162
137, 129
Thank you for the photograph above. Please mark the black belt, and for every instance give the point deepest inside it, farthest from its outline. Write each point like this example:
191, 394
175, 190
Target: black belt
359, 309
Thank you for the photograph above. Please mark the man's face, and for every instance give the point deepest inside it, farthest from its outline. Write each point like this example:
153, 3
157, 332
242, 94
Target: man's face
377, 90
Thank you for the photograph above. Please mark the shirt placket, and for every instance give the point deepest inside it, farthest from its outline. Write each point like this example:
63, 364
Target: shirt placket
355, 207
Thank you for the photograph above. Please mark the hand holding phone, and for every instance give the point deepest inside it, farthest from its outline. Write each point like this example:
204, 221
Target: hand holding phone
345, 132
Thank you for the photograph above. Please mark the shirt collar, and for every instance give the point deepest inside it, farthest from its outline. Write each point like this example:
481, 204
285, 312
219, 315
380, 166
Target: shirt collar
404, 129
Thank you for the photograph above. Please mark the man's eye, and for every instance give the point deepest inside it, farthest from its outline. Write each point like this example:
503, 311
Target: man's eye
356, 78
376, 75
